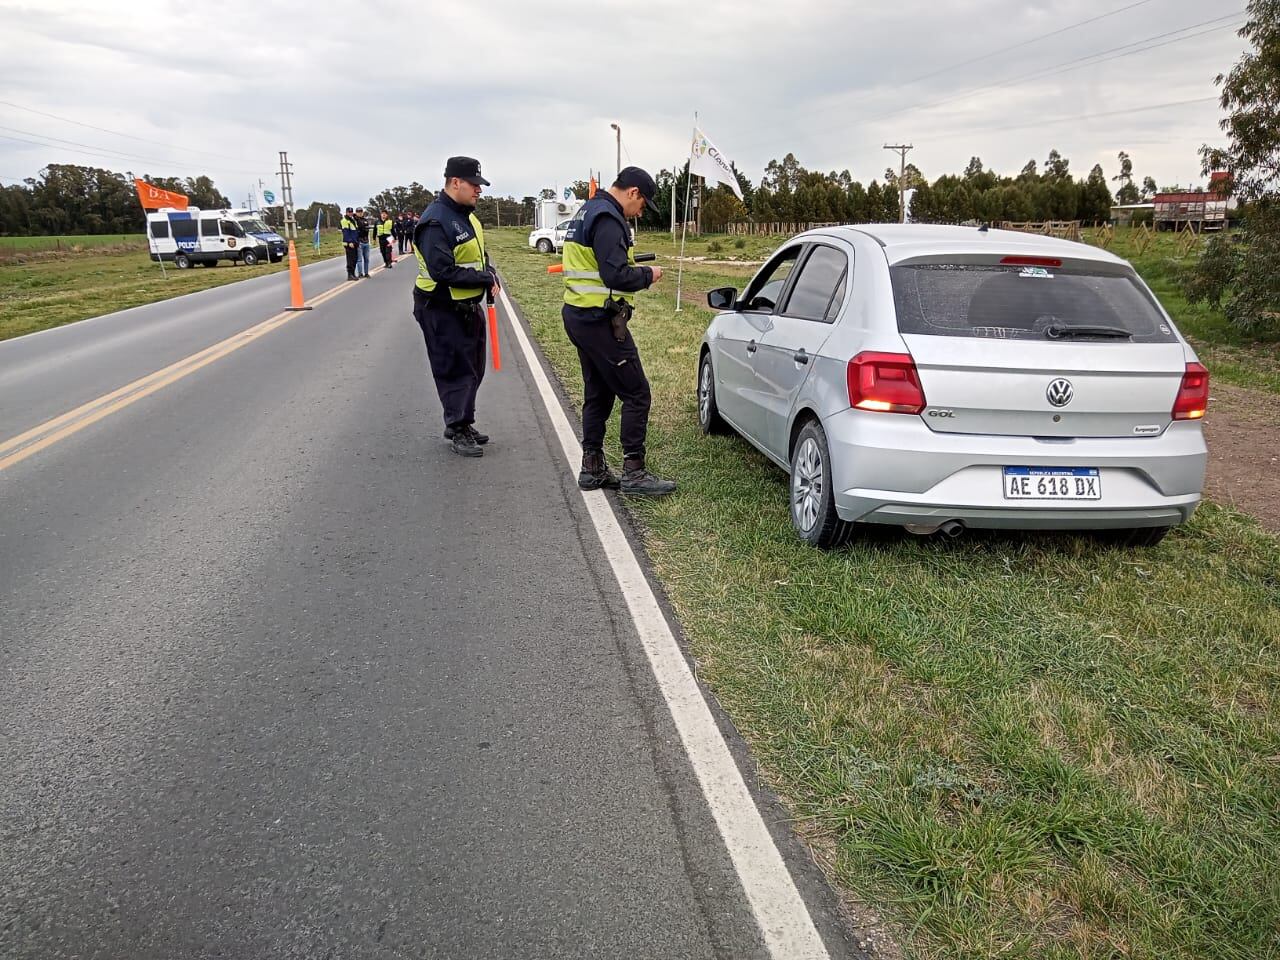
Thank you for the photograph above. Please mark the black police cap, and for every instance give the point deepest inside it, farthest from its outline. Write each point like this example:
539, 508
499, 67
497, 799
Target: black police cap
629, 177
466, 168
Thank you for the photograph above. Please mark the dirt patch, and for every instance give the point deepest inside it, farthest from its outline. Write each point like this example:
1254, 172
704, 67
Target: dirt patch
1243, 432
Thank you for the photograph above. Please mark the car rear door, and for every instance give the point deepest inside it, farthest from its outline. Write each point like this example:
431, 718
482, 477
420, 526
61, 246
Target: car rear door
736, 345
1008, 347
800, 328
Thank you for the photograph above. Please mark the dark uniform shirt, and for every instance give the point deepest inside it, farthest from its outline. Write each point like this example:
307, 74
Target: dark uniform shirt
362, 228
444, 225
609, 240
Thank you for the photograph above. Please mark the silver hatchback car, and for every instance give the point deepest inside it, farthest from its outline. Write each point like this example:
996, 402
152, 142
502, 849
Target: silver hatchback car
939, 378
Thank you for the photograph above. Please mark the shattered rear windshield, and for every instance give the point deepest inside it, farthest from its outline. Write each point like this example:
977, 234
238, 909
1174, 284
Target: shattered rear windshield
1021, 302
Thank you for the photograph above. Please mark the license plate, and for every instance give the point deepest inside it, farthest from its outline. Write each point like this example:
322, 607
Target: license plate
1052, 483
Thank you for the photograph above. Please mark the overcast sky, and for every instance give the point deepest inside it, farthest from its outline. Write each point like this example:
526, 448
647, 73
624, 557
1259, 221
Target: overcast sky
367, 94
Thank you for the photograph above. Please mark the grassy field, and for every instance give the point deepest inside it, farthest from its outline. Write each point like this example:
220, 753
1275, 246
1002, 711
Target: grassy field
52, 290
1229, 355
1014, 746
11, 247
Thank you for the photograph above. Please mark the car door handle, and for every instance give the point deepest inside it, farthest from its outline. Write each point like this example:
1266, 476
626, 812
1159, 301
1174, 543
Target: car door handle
800, 357
751, 347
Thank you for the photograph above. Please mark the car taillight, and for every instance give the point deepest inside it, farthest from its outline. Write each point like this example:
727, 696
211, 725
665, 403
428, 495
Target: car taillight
1193, 394
885, 382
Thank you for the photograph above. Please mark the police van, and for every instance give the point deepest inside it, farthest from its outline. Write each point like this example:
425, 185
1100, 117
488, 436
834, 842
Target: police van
191, 236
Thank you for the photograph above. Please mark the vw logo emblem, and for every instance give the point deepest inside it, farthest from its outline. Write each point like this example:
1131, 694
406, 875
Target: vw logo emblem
1059, 392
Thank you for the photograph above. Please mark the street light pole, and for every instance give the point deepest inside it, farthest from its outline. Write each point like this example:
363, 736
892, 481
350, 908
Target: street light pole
619, 130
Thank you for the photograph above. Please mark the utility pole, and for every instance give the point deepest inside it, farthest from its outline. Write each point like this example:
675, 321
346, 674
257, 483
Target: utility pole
901, 149
286, 191
619, 129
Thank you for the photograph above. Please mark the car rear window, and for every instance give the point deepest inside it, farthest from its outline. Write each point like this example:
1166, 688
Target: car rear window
1005, 302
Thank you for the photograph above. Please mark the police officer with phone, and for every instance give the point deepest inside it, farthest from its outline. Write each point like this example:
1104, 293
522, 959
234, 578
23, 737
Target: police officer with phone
601, 280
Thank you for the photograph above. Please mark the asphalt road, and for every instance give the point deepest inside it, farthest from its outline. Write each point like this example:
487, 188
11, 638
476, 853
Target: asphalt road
281, 676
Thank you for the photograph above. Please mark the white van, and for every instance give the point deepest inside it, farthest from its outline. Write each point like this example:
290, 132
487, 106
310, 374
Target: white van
191, 236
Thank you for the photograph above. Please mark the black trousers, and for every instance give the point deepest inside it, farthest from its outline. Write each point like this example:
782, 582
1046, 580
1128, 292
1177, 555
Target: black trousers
455, 337
610, 370
352, 252
384, 244
404, 243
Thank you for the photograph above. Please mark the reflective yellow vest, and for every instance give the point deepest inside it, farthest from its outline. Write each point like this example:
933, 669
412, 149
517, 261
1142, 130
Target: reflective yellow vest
583, 285
469, 253
384, 228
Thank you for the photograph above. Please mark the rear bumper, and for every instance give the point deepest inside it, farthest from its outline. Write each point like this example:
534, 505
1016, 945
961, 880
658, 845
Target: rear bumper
893, 469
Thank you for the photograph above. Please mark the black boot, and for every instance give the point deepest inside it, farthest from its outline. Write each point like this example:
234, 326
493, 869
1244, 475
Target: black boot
480, 438
464, 443
639, 482
595, 473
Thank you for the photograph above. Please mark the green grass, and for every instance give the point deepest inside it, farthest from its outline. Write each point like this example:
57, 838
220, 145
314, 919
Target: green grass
51, 290
1014, 746
10, 246
1230, 355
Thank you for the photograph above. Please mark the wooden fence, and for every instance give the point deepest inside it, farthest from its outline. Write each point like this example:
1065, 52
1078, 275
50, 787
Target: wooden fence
1065, 229
743, 229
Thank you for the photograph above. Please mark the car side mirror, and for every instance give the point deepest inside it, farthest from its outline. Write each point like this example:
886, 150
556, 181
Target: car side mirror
722, 298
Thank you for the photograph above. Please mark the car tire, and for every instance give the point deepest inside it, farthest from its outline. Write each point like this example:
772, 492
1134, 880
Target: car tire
249, 258
1138, 536
709, 418
181, 261
545, 246
812, 493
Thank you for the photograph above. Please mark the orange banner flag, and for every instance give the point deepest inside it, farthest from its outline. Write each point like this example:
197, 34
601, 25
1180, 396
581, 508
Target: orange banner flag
153, 198
591, 188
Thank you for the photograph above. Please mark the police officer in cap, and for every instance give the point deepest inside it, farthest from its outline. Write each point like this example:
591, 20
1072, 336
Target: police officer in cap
600, 284
453, 276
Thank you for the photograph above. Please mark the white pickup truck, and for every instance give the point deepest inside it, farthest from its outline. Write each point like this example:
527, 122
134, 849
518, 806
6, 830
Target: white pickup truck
549, 239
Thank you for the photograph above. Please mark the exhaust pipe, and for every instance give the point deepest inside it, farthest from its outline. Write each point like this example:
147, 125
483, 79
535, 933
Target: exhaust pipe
950, 529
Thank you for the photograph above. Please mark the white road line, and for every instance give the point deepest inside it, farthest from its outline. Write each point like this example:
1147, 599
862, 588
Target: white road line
780, 911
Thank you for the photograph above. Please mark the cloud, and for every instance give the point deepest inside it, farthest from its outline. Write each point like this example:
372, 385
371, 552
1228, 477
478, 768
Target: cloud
366, 96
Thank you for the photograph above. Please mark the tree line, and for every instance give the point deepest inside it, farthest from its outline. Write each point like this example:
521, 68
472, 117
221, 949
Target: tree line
70, 199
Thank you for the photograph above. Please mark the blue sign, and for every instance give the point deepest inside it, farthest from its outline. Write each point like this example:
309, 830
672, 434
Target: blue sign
268, 197
568, 193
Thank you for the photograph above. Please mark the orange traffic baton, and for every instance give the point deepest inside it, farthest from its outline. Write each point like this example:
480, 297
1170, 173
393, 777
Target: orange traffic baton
640, 258
493, 332
295, 282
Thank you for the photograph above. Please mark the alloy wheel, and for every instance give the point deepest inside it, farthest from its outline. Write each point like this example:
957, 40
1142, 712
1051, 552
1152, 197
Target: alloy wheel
704, 393
807, 484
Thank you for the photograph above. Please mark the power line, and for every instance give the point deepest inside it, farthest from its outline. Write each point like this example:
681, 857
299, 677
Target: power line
96, 151
978, 59
1143, 46
1024, 43
117, 133
968, 130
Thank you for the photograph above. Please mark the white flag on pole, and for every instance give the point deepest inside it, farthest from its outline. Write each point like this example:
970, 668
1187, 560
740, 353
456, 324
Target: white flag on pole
706, 161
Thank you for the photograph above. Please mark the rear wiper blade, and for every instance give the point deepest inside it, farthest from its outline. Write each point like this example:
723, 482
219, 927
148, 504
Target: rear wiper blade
1063, 331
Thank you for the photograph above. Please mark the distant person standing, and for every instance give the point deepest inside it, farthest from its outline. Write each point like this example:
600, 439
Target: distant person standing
601, 280
350, 242
362, 228
406, 231
453, 276
385, 226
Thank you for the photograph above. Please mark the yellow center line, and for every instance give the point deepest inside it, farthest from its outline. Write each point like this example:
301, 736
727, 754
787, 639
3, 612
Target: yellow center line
64, 425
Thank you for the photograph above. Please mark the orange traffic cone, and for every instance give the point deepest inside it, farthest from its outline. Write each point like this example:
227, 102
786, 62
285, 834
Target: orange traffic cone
295, 282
